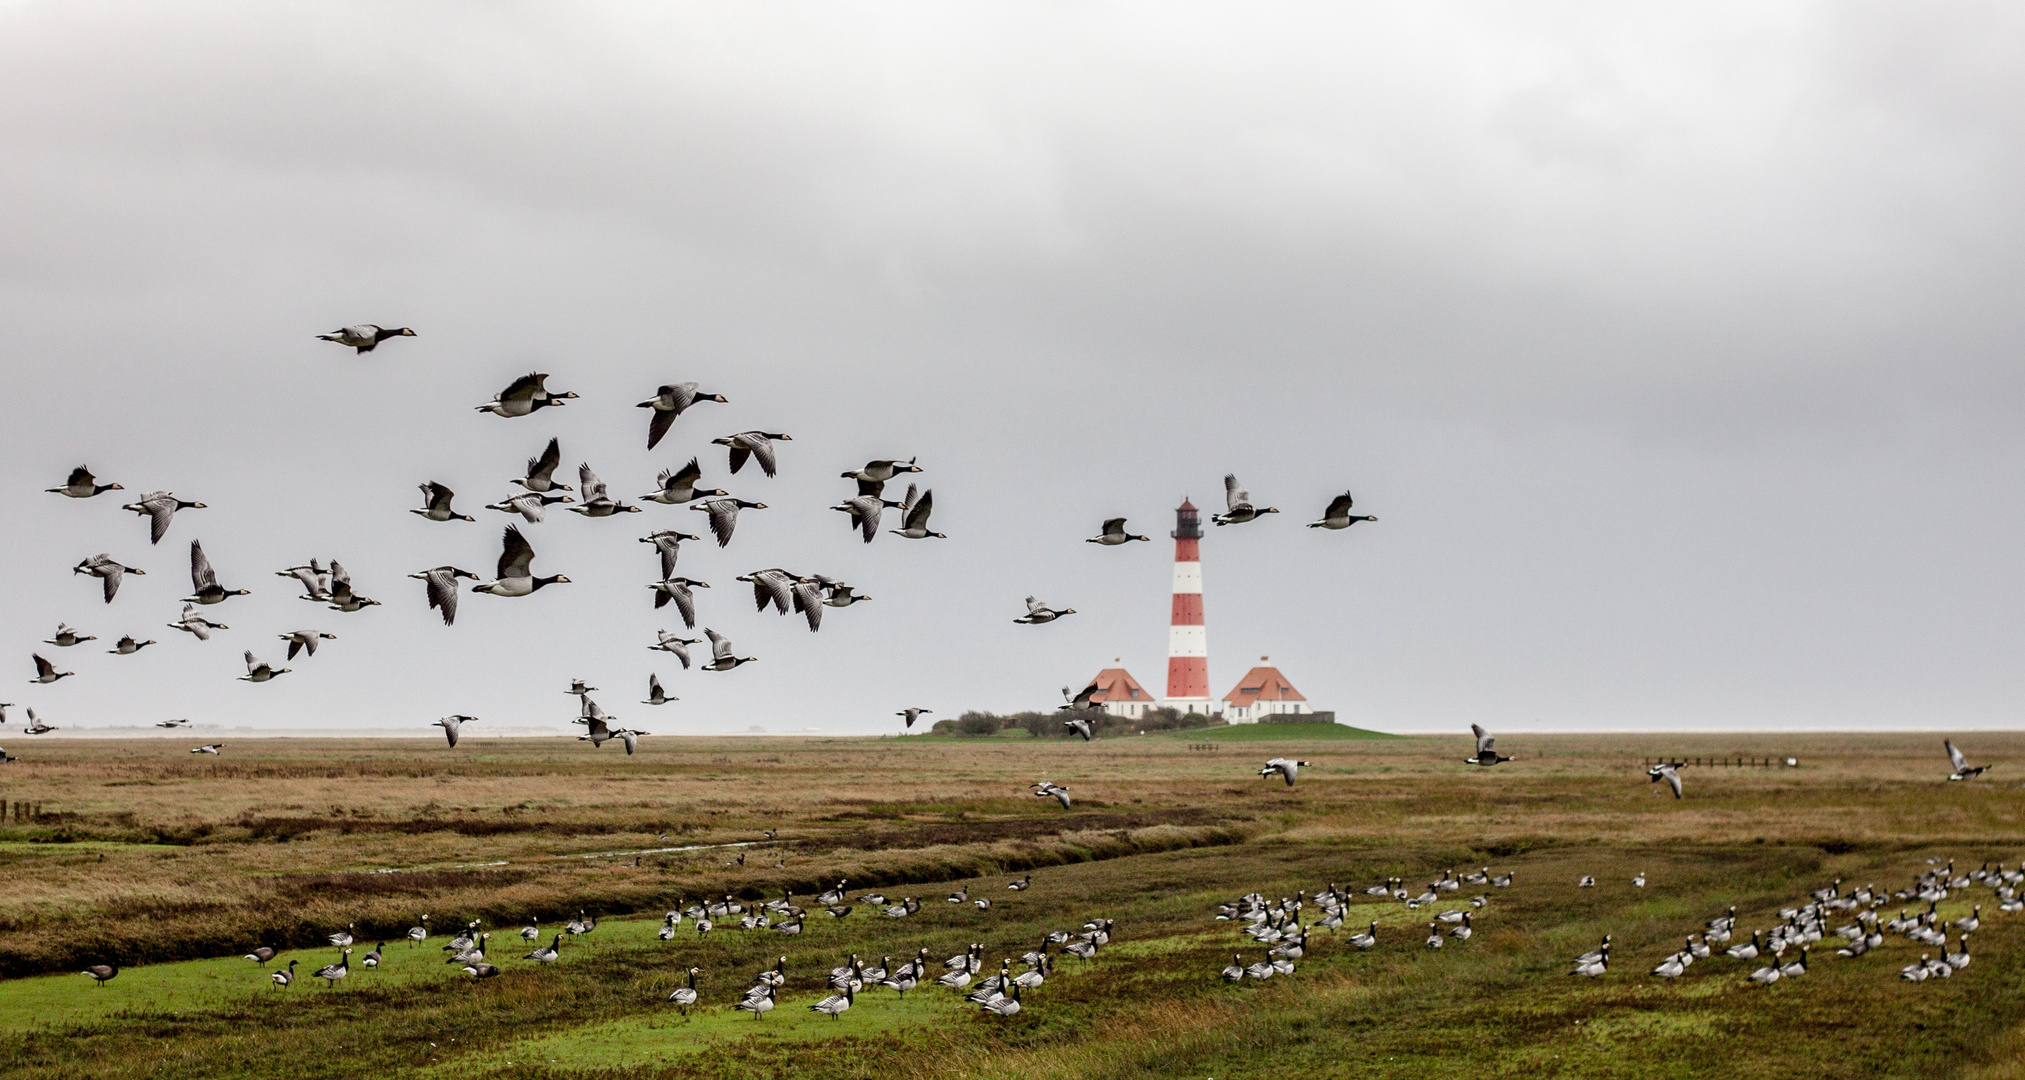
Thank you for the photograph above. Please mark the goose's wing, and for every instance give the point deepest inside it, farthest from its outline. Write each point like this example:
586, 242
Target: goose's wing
43, 669
917, 514
654, 685
723, 519
1955, 757
1673, 781
516, 554
670, 549
524, 388
201, 574
681, 651
593, 488
632, 740
689, 474
809, 599
1485, 740
253, 663
762, 450
720, 646
1034, 606
1114, 527
772, 586
530, 506
1234, 496
443, 594
161, 507
685, 602
868, 512
907, 504
340, 581
739, 452
546, 463
1339, 506
872, 489
81, 477
109, 575
658, 423
450, 724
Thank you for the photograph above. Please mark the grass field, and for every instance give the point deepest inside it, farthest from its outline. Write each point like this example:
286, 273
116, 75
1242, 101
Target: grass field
172, 868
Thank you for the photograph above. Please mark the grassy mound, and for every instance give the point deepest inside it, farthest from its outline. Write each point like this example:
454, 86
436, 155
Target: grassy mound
1277, 733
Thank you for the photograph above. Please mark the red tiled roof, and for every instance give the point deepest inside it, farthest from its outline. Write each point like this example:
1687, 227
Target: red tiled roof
1117, 684
1263, 684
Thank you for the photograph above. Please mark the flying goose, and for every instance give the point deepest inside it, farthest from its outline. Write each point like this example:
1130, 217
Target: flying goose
678, 589
36, 727
669, 643
914, 516
441, 585
523, 396
103, 567
1669, 772
205, 580
103, 973
208, 748
656, 695
314, 579
685, 996
754, 444
865, 511
541, 470
677, 486
881, 470
342, 598
1239, 503
548, 954
365, 336
1338, 515
436, 504
299, 640
1038, 613
1487, 754
529, 504
723, 511
1049, 790
911, 715
283, 979
451, 724
160, 507
723, 656
1285, 767
1081, 727
515, 576
630, 738
771, 586
1114, 534
128, 646
81, 485
258, 670
1955, 758
67, 635
1080, 701
597, 730
597, 501
669, 402
46, 673
331, 973
668, 544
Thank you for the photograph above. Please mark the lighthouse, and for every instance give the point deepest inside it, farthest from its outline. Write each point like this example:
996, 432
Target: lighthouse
1187, 642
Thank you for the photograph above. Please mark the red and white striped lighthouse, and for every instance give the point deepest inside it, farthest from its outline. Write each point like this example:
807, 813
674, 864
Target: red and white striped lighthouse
1187, 641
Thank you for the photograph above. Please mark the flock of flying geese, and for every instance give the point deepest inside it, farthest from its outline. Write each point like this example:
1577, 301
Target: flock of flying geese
783, 590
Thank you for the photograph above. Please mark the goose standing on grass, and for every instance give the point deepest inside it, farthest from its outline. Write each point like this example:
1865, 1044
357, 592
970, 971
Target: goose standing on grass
1022, 884
66, 636
419, 932
1238, 504
1365, 939
1638, 880
479, 969
1588, 881
667, 544
516, 577
282, 980
299, 640
128, 646
678, 590
1038, 613
598, 502
1955, 758
208, 748
679, 646
258, 670
1669, 772
1463, 932
723, 656
1114, 534
1747, 950
669, 402
548, 954
108, 572
441, 585
1793, 969
655, 694
1285, 768
160, 507
103, 973
1338, 515
523, 396
1005, 1006
911, 715
331, 973
723, 511
1434, 935
677, 486
541, 470
343, 937
758, 1005
1487, 754
436, 504
46, 673
204, 580
451, 726
364, 337
82, 485
531, 505
372, 959
914, 516
757, 445
259, 955
685, 996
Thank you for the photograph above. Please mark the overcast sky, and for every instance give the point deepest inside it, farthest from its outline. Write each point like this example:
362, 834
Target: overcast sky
1675, 346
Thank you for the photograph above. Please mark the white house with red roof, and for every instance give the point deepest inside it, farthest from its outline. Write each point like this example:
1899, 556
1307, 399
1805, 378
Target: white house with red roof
1119, 694
1261, 693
